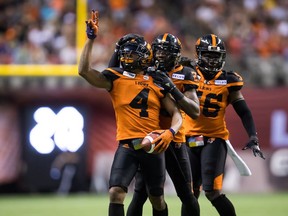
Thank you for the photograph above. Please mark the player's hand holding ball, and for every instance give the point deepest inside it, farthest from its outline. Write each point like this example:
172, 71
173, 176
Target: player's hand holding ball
147, 142
164, 140
159, 141
92, 25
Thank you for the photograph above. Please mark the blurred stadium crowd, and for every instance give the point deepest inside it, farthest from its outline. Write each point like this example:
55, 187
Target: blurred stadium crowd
37, 32
255, 31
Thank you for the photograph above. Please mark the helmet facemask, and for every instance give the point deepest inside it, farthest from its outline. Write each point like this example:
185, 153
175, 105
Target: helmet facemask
166, 57
210, 63
135, 57
167, 51
210, 55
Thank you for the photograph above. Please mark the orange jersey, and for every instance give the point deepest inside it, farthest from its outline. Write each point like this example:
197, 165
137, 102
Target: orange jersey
184, 79
136, 101
213, 97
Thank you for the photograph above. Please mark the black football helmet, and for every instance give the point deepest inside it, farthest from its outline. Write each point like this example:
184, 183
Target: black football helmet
166, 51
129, 37
135, 55
210, 54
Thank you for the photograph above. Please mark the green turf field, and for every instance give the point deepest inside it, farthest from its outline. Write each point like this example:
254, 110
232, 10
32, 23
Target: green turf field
93, 205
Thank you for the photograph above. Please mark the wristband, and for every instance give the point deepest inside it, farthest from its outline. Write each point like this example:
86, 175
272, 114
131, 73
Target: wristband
172, 131
176, 93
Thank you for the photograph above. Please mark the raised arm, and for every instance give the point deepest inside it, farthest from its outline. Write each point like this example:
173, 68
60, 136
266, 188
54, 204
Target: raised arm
94, 77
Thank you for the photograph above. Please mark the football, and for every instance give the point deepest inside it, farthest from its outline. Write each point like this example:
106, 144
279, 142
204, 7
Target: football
146, 142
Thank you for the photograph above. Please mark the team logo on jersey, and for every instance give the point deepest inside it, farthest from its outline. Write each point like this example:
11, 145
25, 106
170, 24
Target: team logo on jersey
178, 76
128, 74
145, 77
220, 82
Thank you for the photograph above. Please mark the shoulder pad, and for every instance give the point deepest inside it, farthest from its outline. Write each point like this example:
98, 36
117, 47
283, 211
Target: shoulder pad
190, 73
234, 81
112, 73
233, 77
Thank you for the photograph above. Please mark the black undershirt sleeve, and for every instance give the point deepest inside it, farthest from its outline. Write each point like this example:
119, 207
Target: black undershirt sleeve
245, 114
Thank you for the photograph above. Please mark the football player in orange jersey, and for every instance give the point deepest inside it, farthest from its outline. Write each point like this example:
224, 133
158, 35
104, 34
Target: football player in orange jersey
137, 102
179, 82
207, 135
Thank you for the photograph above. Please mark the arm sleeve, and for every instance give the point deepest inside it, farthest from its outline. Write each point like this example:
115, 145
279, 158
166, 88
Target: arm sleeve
245, 114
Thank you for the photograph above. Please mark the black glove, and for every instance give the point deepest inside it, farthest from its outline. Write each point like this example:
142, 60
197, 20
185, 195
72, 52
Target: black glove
162, 79
128, 37
254, 145
92, 25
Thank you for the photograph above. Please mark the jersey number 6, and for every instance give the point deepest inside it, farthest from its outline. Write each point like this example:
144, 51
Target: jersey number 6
208, 104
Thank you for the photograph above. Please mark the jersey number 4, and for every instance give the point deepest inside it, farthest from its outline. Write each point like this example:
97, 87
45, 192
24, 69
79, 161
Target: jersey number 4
140, 102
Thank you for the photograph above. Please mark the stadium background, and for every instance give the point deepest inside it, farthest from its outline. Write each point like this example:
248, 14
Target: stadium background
57, 133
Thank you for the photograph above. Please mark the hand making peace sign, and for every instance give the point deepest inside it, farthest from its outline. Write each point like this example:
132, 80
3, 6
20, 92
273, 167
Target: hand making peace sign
92, 25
